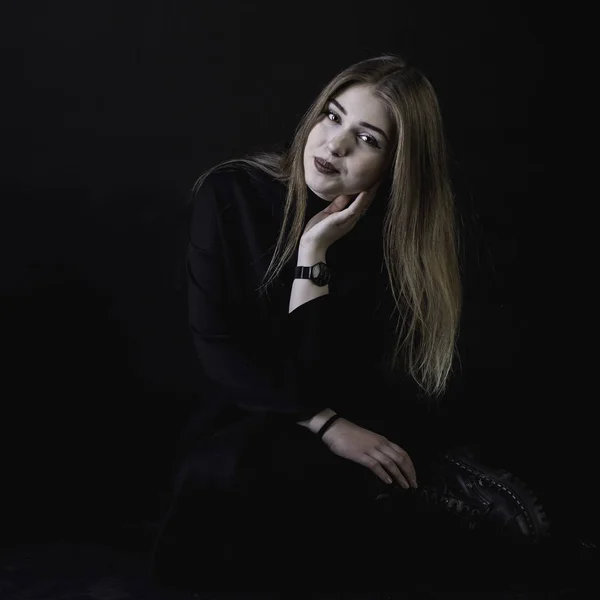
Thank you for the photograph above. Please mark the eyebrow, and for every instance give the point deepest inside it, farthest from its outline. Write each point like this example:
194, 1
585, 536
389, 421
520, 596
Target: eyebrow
362, 123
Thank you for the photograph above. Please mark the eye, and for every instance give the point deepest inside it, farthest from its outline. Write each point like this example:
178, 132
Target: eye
371, 141
330, 112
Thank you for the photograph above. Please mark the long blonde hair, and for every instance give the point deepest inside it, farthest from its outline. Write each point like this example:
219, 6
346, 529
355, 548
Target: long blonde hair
420, 240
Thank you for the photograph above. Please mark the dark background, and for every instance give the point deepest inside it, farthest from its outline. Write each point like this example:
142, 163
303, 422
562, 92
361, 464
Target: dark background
111, 110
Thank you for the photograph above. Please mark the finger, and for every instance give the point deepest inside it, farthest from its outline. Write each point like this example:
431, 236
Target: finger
340, 203
366, 198
390, 466
355, 210
406, 463
359, 206
374, 465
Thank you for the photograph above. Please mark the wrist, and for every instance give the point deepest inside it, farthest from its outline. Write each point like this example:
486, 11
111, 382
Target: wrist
320, 419
309, 255
329, 428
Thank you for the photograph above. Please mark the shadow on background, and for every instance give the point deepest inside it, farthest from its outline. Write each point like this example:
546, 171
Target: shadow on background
113, 109
87, 435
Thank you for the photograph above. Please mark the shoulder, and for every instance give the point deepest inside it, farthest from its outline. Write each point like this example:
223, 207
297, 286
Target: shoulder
235, 213
238, 185
239, 175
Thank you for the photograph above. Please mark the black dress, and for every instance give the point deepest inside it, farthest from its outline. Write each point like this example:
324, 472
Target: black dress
246, 471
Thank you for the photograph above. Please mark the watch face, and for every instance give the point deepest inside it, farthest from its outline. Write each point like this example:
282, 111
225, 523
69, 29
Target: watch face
320, 273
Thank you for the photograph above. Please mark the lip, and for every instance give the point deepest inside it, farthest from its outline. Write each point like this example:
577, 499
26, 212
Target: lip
324, 165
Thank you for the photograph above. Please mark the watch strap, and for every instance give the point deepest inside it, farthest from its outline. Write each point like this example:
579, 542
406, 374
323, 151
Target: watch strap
303, 272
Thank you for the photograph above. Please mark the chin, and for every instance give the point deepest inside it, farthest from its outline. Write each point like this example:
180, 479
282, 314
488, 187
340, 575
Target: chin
318, 187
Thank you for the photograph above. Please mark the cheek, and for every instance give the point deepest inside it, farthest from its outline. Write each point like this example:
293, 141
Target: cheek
310, 143
317, 136
369, 168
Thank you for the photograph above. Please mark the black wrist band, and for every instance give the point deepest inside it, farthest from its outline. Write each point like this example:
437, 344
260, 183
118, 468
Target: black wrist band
327, 425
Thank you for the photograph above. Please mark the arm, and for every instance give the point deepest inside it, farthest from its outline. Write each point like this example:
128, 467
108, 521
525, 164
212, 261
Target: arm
317, 421
236, 364
304, 290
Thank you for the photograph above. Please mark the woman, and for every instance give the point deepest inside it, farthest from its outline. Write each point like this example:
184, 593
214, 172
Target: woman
323, 292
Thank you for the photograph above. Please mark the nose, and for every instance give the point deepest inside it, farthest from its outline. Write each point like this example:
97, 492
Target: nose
338, 146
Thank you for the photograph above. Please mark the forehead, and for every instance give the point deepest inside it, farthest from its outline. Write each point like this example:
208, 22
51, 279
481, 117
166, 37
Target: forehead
362, 105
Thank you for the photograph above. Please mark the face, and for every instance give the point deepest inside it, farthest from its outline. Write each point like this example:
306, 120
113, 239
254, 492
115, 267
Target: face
356, 137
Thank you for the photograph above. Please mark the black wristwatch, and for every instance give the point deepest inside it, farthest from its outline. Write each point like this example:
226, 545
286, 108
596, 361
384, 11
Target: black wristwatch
319, 274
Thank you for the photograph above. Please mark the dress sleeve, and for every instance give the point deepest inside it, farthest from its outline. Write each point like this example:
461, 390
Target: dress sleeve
240, 368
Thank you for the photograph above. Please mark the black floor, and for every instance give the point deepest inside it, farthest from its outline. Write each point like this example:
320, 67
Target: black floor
114, 566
